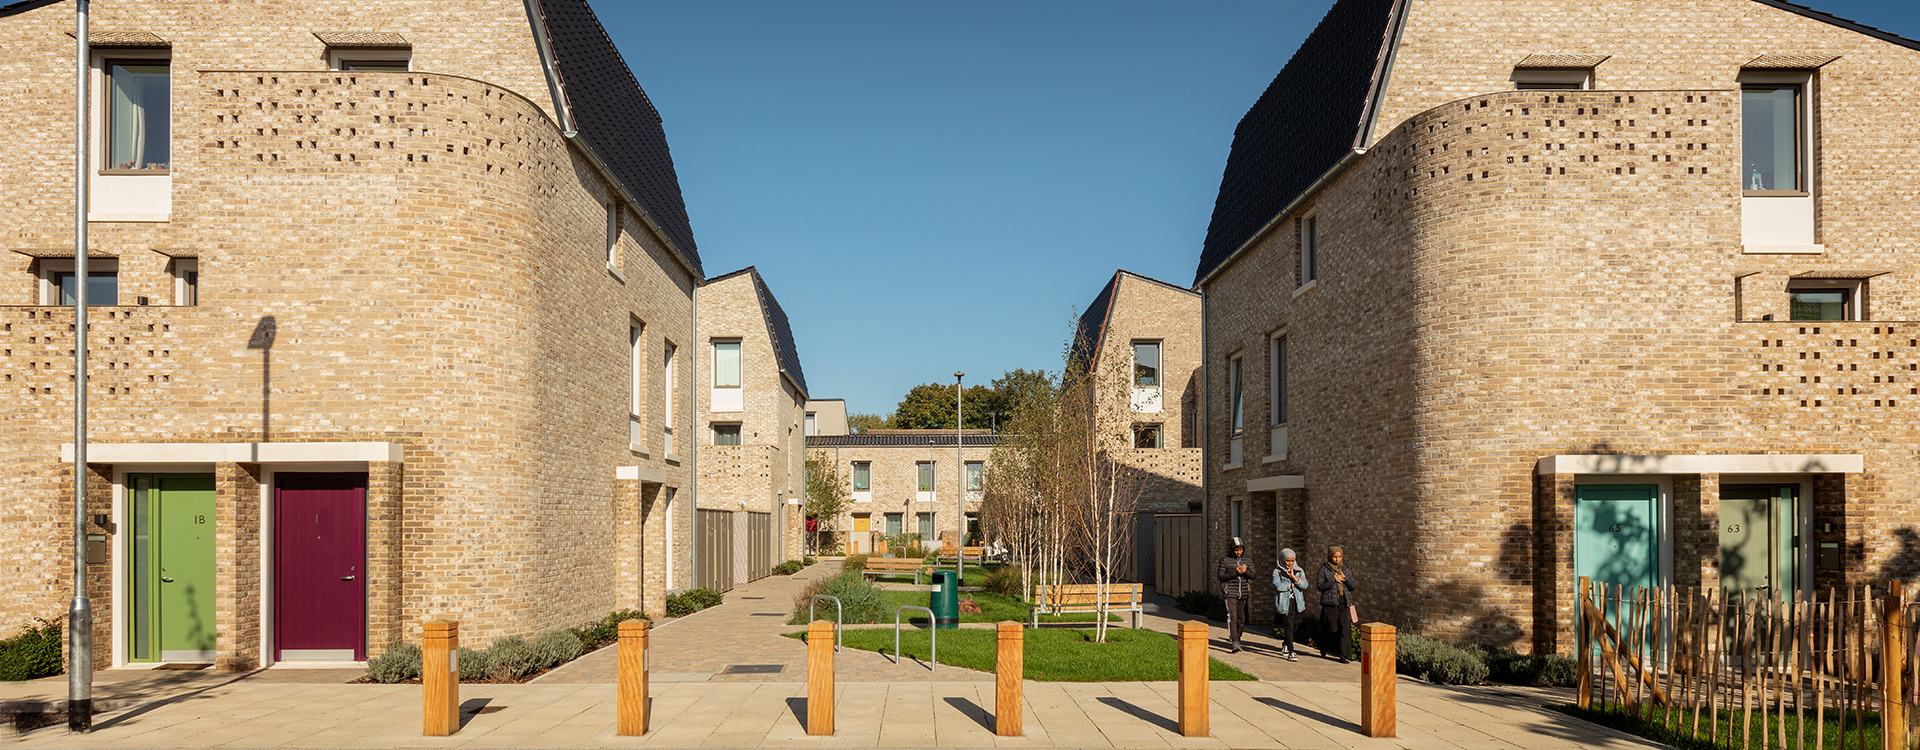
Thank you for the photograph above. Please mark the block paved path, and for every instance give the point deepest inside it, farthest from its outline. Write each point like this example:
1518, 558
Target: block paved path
868, 714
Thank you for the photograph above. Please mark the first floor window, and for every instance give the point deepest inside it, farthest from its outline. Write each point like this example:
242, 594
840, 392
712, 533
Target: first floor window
1830, 300
1146, 364
926, 476
138, 126
1237, 397
862, 476
726, 364
1146, 436
1770, 138
1309, 249
186, 281
726, 434
1277, 374
976, 476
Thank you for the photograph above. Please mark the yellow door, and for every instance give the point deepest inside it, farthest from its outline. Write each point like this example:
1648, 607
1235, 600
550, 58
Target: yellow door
862, 522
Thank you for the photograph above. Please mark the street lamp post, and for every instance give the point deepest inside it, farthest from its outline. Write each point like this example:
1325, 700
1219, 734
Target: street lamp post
80, 613
960, 498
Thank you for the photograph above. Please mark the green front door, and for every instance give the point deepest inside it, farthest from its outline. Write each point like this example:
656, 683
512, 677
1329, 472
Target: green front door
1759, 539
171, 575
1617, 533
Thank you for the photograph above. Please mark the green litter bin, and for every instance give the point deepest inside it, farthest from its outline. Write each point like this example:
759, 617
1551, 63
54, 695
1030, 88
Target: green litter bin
944, 600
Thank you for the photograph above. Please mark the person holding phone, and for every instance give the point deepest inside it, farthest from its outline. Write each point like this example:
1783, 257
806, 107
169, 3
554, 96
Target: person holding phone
1290, 585
1337, 612
1236, 584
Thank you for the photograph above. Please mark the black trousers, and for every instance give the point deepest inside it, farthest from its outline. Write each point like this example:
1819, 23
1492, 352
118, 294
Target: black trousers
1236, 618
1290, 621
1336, 632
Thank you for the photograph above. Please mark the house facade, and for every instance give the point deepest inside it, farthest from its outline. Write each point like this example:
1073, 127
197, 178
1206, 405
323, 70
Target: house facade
907, 482
390, 301
752, 445
1140, 339
1532, 294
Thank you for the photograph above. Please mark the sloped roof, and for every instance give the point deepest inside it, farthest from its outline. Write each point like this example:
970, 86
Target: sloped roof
615, 117
1302, 125
942, 437
1091, 333
779, 329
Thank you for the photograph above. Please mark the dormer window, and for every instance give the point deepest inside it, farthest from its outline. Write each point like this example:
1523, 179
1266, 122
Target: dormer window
1526, 79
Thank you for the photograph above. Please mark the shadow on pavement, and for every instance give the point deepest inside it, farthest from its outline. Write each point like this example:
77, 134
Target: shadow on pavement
799, 708
973, 711
1332, 721
1143, 714
472, 707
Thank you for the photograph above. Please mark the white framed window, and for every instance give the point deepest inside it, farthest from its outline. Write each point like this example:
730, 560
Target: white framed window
726, 392
1148, 436
726, 433
862, 476
391, 60
1525, 79
668, 378
636, 366
1277, 380
1309, 250
666, 506
976, 476
613, 234
1236, 410
813, 425
139, 120
927, 528
925, 485
1778, 184
186, 281
1146, 364
59, 282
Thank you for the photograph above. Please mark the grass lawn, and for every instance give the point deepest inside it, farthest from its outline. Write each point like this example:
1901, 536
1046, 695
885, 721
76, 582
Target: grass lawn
1732, 726
993, 608
1058, 655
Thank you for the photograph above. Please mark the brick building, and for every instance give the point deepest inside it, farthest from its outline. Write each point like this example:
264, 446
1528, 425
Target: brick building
391, 303
752, 449
826, 416
1537, 290
1154, 328
906, 482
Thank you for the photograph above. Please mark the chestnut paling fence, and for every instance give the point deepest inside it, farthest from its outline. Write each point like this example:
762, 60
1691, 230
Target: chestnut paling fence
1825, 669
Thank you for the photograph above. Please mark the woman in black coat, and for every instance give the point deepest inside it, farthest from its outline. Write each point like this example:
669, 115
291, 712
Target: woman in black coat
1336, 597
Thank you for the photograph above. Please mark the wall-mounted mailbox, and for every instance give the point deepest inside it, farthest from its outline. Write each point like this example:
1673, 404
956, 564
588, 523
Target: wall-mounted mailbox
1829, 555
96, 549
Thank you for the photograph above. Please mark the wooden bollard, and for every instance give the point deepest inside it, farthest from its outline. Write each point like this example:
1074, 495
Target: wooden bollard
1194, 716
1893, 720
440, 678
635, 714
1377, 679
1009, 670
820, 678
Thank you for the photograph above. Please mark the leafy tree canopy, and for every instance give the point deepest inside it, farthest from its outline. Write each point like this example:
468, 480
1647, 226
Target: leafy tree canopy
859, 423
930, 406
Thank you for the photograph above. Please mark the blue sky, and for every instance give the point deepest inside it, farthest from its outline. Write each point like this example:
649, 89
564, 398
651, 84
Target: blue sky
939, 187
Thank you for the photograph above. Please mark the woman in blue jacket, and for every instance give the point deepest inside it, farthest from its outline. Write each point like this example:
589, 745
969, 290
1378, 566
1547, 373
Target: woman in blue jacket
1290, 583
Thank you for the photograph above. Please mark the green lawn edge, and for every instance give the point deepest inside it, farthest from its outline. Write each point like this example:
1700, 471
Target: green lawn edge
1050, 654
1732, 727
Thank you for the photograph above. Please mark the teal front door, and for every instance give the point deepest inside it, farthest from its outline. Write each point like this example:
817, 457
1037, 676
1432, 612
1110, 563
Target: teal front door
1617, 533
1759, 539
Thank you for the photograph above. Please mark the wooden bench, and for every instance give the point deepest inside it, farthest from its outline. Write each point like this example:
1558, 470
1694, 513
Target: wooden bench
894, 566
976, 554
1085, 597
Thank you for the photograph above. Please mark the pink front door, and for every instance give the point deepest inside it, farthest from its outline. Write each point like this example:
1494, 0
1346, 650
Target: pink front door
319, 564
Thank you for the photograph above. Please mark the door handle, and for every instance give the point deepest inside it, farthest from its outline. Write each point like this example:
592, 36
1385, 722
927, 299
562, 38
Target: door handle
346, 578
164, 579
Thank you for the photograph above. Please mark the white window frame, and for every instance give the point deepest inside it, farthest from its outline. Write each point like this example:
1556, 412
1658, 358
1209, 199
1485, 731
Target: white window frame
127, 195
636, 382
933, 474
812, 422
726, 398
50, 267
666, 422
666, 505
1782, 221
339, 57
186, 281
1236, 409
1309, 250
613, 235
1147, 399
1277, 396
853, 479
930, 520
976, 470
1552, 79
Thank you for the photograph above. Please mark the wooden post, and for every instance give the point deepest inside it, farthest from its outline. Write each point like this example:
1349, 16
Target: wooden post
1009, 670
1193, 679
1584, 641
1378, 663
440, 678
1893, 719
634, 712
820, 678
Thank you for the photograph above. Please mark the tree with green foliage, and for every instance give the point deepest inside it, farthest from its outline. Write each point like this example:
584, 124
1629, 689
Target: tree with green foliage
862, 422
930, 406
827, 495
1018, 390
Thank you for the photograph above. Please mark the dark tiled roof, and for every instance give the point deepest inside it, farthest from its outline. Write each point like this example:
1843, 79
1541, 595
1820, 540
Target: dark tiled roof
778, 328
946, 439
614, 116
1092, 331
1303, 124
1848, 24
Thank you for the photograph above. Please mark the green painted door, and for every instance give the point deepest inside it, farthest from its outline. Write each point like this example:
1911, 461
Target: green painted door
172, 568
1759, 538
1617, 533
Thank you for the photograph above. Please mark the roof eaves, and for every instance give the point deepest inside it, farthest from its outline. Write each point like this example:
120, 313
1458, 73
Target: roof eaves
1382, 71
1167, 284
1845, 23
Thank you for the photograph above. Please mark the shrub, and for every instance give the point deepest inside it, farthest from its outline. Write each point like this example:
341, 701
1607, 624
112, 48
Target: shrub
607, 629
808, 561
556, 647
513, 658
400, 663
35, 652
691, 601
1204, 603
475, 665
860, 600
788, 568
854, 562
1005, 580
1437, 661
1539, 670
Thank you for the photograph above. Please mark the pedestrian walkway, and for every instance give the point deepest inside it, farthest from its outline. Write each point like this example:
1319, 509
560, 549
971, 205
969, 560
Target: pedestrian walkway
747, 631
1260, 654
868, 714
